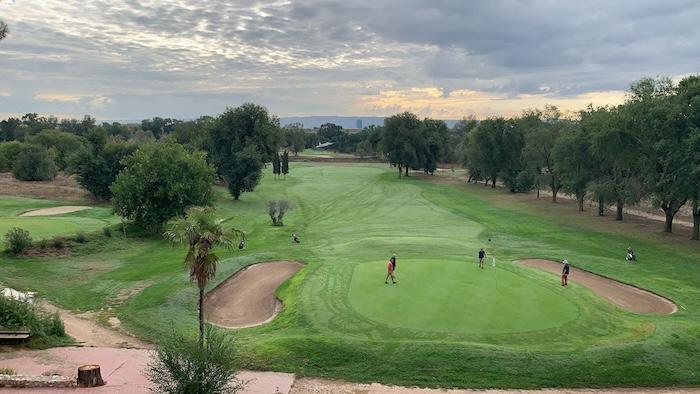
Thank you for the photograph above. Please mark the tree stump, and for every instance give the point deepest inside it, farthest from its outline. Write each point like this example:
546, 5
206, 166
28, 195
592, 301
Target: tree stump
89, 376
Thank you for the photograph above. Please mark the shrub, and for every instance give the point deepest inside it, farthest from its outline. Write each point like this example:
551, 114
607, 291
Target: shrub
180, 365
7, 371
34, 164
524, 182
42, 244
81, 238
276, 210
8, 154
17, 240
56, 327
58, 243
107, 232
16, 314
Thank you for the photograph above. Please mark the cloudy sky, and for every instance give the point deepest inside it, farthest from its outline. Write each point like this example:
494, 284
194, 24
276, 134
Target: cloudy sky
133, 59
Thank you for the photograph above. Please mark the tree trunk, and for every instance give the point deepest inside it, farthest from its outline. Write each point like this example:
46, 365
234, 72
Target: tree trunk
493, 182
620, 206
400, 169
90, 376
555, 190
406, 171
601, 206
696, 219
579, 201
671, 209
538, 192
668, 225
201, 316
486, 182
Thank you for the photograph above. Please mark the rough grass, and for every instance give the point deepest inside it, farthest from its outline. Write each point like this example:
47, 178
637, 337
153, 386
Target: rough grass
351, 218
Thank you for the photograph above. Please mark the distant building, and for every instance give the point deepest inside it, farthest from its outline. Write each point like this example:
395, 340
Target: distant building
325, 145
358, 124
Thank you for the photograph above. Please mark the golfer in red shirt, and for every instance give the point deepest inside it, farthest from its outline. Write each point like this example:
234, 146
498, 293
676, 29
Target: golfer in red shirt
390, 266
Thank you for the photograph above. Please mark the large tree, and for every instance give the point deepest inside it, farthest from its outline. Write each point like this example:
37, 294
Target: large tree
687, 99
159, 127
330, 132
541, 130
159, 182
495, 150
62, 144
295, 137
96, 170
436, 137
245, 171
201, 232
402, 141
239, 142
653, 112
574, 162
33, 163
618, 151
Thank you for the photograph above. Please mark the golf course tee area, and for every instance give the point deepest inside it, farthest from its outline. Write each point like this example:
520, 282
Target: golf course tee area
445, 323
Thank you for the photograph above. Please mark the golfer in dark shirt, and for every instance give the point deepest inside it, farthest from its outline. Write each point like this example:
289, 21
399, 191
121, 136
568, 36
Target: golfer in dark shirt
565, 273
482, 256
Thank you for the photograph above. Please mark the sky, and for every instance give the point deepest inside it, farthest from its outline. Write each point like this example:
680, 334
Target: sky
446, 59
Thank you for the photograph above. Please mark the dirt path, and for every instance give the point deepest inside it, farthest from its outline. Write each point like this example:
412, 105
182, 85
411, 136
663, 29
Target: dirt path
122, 369
248, 298
627, 297
320, 386
54, 211
85, 330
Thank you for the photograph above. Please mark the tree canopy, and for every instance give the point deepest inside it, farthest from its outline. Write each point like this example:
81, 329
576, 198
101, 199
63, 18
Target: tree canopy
159, 182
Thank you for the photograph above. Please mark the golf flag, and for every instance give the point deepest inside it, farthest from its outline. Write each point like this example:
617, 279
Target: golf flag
493, 262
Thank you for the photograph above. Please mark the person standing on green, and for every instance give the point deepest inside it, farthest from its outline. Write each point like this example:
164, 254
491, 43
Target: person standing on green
482, 256
390, 268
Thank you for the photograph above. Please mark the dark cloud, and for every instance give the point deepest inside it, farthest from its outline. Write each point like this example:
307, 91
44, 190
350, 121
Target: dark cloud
324, 56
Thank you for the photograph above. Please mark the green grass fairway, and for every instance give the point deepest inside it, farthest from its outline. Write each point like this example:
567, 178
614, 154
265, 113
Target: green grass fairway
457, 297
446, 323
40, 227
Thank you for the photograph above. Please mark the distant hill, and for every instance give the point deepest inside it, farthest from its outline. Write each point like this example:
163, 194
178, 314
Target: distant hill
348, 122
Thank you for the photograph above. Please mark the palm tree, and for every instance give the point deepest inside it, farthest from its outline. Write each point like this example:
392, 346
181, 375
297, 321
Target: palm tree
201, 232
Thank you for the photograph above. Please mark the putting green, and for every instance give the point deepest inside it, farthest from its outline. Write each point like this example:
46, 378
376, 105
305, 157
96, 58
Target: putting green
457, 297
48, 226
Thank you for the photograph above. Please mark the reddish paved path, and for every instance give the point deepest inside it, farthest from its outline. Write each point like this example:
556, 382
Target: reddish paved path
121, 369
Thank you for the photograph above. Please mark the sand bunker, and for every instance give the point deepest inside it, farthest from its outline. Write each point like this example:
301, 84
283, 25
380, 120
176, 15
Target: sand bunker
54, 210
247, 298
627, 297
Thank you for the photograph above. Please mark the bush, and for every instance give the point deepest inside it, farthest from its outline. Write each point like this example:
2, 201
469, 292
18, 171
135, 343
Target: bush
19, 314
58, 243
524, 182
107, 232
56, 327
34, 164
276, 210
7, 371
17, 240
62, 144
180, 365
8, 154
81, 238
42, 244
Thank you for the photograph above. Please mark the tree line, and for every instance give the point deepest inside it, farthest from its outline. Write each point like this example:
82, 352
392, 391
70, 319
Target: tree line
647, 147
